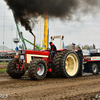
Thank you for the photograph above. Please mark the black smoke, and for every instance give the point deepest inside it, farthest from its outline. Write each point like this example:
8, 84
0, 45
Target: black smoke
26, 11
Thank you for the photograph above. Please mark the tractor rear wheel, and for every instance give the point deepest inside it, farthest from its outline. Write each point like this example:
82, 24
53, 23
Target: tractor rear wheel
56, 63
70, 64
37, 69
12, 71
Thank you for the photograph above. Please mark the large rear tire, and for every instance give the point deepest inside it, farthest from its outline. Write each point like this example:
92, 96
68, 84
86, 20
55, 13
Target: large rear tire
56, 64
70, 64
11, 69
37, 69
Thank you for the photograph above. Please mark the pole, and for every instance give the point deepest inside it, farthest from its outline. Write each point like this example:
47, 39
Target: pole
40, 31
4, 27
48, 31
45, 41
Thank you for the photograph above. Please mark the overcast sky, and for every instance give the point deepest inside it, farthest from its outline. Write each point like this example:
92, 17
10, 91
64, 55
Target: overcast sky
85, 31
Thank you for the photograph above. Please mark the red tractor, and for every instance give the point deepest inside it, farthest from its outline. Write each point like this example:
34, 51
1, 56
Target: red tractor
38, 63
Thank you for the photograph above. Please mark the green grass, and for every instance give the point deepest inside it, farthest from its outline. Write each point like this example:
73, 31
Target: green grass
4, 63
3, 70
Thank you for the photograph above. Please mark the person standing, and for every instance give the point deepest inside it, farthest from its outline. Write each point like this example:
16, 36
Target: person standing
80, 54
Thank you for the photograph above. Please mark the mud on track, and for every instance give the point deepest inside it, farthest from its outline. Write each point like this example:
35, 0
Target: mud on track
80, 88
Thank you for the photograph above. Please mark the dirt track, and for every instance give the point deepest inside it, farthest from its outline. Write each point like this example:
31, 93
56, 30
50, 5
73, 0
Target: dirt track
80, 88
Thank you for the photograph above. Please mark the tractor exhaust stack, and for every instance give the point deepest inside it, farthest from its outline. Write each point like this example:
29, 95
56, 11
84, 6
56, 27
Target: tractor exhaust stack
34, 39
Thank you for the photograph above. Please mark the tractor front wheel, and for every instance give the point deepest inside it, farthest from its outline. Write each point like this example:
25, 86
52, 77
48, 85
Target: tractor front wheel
37, 69
12, 71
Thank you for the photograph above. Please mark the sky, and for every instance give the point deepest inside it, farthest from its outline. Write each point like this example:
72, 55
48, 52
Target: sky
84, 31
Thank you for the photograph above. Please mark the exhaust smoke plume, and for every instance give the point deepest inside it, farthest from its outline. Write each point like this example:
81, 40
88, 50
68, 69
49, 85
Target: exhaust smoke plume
26, 11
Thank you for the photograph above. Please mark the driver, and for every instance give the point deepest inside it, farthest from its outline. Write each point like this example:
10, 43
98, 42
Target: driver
53, 49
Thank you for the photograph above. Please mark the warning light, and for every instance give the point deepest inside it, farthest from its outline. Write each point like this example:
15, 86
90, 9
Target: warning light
63, 37
51, 37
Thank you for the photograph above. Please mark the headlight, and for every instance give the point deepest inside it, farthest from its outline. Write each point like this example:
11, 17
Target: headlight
22, 57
